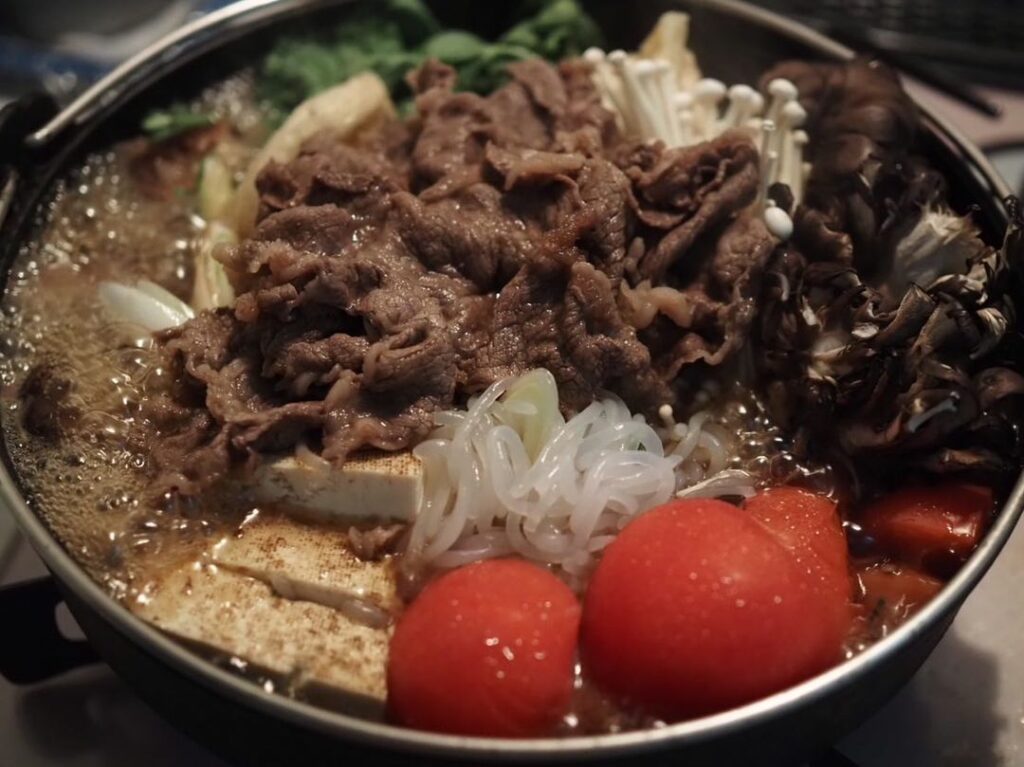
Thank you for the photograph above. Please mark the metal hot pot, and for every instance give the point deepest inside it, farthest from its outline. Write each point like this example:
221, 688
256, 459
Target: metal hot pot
236, 718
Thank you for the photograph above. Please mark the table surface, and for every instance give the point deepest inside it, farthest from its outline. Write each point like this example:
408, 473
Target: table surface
964, 708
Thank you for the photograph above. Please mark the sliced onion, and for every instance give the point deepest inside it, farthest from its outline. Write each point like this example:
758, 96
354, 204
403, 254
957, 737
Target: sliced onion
146, 305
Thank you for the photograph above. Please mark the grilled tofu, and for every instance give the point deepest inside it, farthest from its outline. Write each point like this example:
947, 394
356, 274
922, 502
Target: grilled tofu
309, 562
381, 486
306, 648
291, 600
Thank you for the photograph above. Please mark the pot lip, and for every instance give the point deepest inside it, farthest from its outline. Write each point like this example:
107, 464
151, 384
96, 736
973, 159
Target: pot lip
584, 748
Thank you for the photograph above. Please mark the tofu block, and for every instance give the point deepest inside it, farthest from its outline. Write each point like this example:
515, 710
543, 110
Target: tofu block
311, 562
379, 486
313, 650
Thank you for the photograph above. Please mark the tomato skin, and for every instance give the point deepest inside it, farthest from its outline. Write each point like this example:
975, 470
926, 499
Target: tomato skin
488, 649
928, 526
894, 593
697, 607
890, 594
808, 524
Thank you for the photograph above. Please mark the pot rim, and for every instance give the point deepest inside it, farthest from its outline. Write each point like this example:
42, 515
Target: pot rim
393, 737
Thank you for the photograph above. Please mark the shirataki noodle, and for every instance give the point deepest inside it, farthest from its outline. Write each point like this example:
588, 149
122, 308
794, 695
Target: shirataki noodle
484, 496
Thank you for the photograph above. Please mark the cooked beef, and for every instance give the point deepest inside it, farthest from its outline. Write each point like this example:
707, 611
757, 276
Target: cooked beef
470, 233
484, 237
327, 172
706, 318
47, 400
559, 312
689, 190
605, 191
532, 166
192, 446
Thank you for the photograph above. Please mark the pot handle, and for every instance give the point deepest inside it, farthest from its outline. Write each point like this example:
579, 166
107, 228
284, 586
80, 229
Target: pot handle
17, 119
32, 648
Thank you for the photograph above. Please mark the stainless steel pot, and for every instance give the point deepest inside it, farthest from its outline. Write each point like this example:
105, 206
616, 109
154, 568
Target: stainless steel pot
238, 719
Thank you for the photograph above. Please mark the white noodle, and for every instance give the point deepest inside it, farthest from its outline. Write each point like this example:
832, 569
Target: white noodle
484, 498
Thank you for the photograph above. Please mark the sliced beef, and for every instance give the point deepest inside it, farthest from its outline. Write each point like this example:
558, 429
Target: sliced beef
559, 313
487, 236
191, 448
707, 318
312, 352
525, 111
542, 108
604, 350
372, 344
471, 233
605, 192
529, 167
455, 129
688, 191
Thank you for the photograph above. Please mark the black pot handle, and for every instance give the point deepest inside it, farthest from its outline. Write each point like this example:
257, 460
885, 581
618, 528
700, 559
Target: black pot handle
18, 119
32, 648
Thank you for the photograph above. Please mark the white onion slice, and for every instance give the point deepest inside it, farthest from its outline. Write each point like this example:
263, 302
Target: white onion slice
146, 305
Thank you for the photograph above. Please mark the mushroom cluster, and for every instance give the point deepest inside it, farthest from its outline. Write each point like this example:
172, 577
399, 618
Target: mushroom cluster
885, 326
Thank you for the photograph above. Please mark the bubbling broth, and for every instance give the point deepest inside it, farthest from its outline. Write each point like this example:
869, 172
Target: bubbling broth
92, 375
540, 385
91, 485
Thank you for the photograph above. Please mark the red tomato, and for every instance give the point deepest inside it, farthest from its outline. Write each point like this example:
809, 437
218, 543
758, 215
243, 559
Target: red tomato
925, 525
487, 649
894, 593
808, 525
697, 607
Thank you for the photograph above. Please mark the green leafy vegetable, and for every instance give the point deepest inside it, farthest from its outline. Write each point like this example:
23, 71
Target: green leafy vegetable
168, 123
455, 47
381, 37
561, 28
414, 18
390, 37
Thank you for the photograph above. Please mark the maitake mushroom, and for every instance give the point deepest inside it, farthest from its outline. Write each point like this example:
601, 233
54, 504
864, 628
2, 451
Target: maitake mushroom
887, 322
